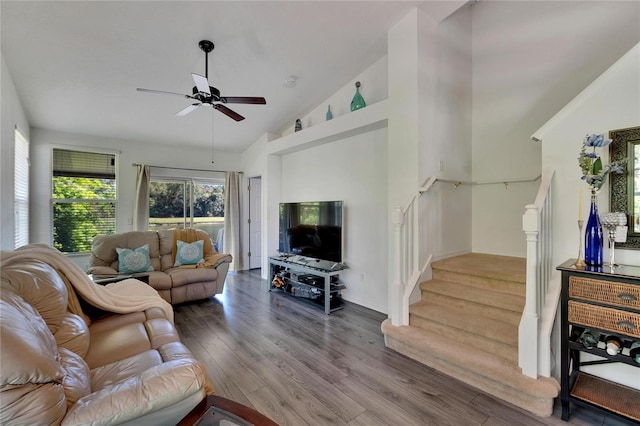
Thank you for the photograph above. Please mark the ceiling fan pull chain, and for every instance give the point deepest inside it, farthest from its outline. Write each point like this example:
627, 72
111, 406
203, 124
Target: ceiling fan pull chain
212, 121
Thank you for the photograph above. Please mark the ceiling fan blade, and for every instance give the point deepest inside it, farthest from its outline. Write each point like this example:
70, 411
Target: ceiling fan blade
243, 100
229, 113
187, 110
162, 92
201, 83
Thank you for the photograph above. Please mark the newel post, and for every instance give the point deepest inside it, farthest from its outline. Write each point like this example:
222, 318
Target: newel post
529, 324
396, 290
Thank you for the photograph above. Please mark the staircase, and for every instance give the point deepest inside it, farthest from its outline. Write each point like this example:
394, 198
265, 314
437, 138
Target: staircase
466, 326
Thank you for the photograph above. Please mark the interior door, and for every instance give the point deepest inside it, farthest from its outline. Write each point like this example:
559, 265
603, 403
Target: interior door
255, 222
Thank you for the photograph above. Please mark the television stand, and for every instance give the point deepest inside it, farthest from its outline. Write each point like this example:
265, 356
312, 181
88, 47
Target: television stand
308, 279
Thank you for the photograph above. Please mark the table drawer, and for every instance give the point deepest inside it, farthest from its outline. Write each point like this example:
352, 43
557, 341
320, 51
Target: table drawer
608, 292
608, 319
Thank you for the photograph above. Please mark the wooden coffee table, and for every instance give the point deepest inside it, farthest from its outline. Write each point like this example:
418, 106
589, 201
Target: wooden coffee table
216, 410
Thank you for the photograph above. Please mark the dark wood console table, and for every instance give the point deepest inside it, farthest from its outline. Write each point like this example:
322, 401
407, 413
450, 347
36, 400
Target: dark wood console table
606, 303
214, 409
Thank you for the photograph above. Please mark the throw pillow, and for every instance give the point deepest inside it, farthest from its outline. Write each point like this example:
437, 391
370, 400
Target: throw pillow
189, 253
132, 261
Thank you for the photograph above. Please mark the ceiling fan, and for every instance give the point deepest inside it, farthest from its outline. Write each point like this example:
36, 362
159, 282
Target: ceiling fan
204, 94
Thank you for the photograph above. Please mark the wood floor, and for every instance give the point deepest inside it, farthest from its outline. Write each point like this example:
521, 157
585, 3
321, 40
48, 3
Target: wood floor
290, 361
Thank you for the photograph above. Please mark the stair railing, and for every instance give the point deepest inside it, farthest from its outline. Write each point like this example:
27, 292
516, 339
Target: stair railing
408, 269
406, 261
534, 332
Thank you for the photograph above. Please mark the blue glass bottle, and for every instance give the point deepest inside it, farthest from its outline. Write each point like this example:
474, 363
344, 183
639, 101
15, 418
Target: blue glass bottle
593, 236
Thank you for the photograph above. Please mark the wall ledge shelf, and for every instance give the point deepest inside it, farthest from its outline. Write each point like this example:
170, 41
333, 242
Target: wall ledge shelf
372, 117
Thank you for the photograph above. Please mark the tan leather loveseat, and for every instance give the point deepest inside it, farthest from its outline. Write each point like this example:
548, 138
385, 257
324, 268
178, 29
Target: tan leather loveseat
91, 366
174, 284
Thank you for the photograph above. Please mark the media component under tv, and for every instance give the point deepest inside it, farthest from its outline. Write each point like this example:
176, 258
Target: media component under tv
311, 229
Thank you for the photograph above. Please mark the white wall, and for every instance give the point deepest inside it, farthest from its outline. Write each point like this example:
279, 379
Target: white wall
352, 170
445, 140
12, 116
611, 102
529, 59
619, 90
373, 88
43, 142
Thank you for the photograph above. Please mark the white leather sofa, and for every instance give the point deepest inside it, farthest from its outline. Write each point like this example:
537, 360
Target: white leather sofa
92, 366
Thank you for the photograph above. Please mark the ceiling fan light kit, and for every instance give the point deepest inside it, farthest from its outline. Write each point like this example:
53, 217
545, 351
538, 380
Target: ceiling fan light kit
205, 94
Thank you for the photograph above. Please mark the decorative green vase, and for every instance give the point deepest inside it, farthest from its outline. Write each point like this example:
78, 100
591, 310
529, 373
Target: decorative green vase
357, 102
329, 113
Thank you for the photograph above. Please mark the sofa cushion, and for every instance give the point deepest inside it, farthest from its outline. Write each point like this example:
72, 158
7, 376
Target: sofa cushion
160, 332
103, 249
131, 261
73, 334
41, 287
160, 280
112, 322
157, 387
110, 345
121, 370
29, 351
33, 404
189, 253
180, 277
121, 336
31, 377
165, 236
167, 245
76, 376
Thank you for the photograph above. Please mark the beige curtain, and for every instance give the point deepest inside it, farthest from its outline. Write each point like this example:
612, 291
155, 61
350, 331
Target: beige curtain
231, 243
141, 207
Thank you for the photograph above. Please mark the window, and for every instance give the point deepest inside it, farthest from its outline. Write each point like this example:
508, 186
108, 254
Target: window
181, 203
84, 198
21, 190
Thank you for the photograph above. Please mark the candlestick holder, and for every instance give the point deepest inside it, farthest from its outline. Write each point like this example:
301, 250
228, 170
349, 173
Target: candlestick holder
580, 261
611, 221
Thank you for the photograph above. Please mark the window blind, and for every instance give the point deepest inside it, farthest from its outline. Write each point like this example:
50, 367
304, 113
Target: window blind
84, 198
84, 164
21, 189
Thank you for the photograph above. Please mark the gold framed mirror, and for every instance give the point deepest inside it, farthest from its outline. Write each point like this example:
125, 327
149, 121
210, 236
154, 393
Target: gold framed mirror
625, 188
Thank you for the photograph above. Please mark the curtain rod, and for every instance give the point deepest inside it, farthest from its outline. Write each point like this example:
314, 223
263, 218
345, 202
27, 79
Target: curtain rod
182, 168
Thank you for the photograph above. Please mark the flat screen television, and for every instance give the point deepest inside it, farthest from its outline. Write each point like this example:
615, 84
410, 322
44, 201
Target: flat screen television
311, 229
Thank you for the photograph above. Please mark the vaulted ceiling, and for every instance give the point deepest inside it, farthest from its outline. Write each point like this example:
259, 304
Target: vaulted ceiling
76, 65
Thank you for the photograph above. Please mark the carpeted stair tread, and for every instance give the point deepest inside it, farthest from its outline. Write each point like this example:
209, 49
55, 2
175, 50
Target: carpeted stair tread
490, 284
504, 268
466, 326
461, 322
506, 301
471, 340
476, 367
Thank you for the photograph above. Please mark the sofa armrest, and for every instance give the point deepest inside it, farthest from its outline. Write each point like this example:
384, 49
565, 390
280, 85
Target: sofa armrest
102, 270
153, 390
223, 269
